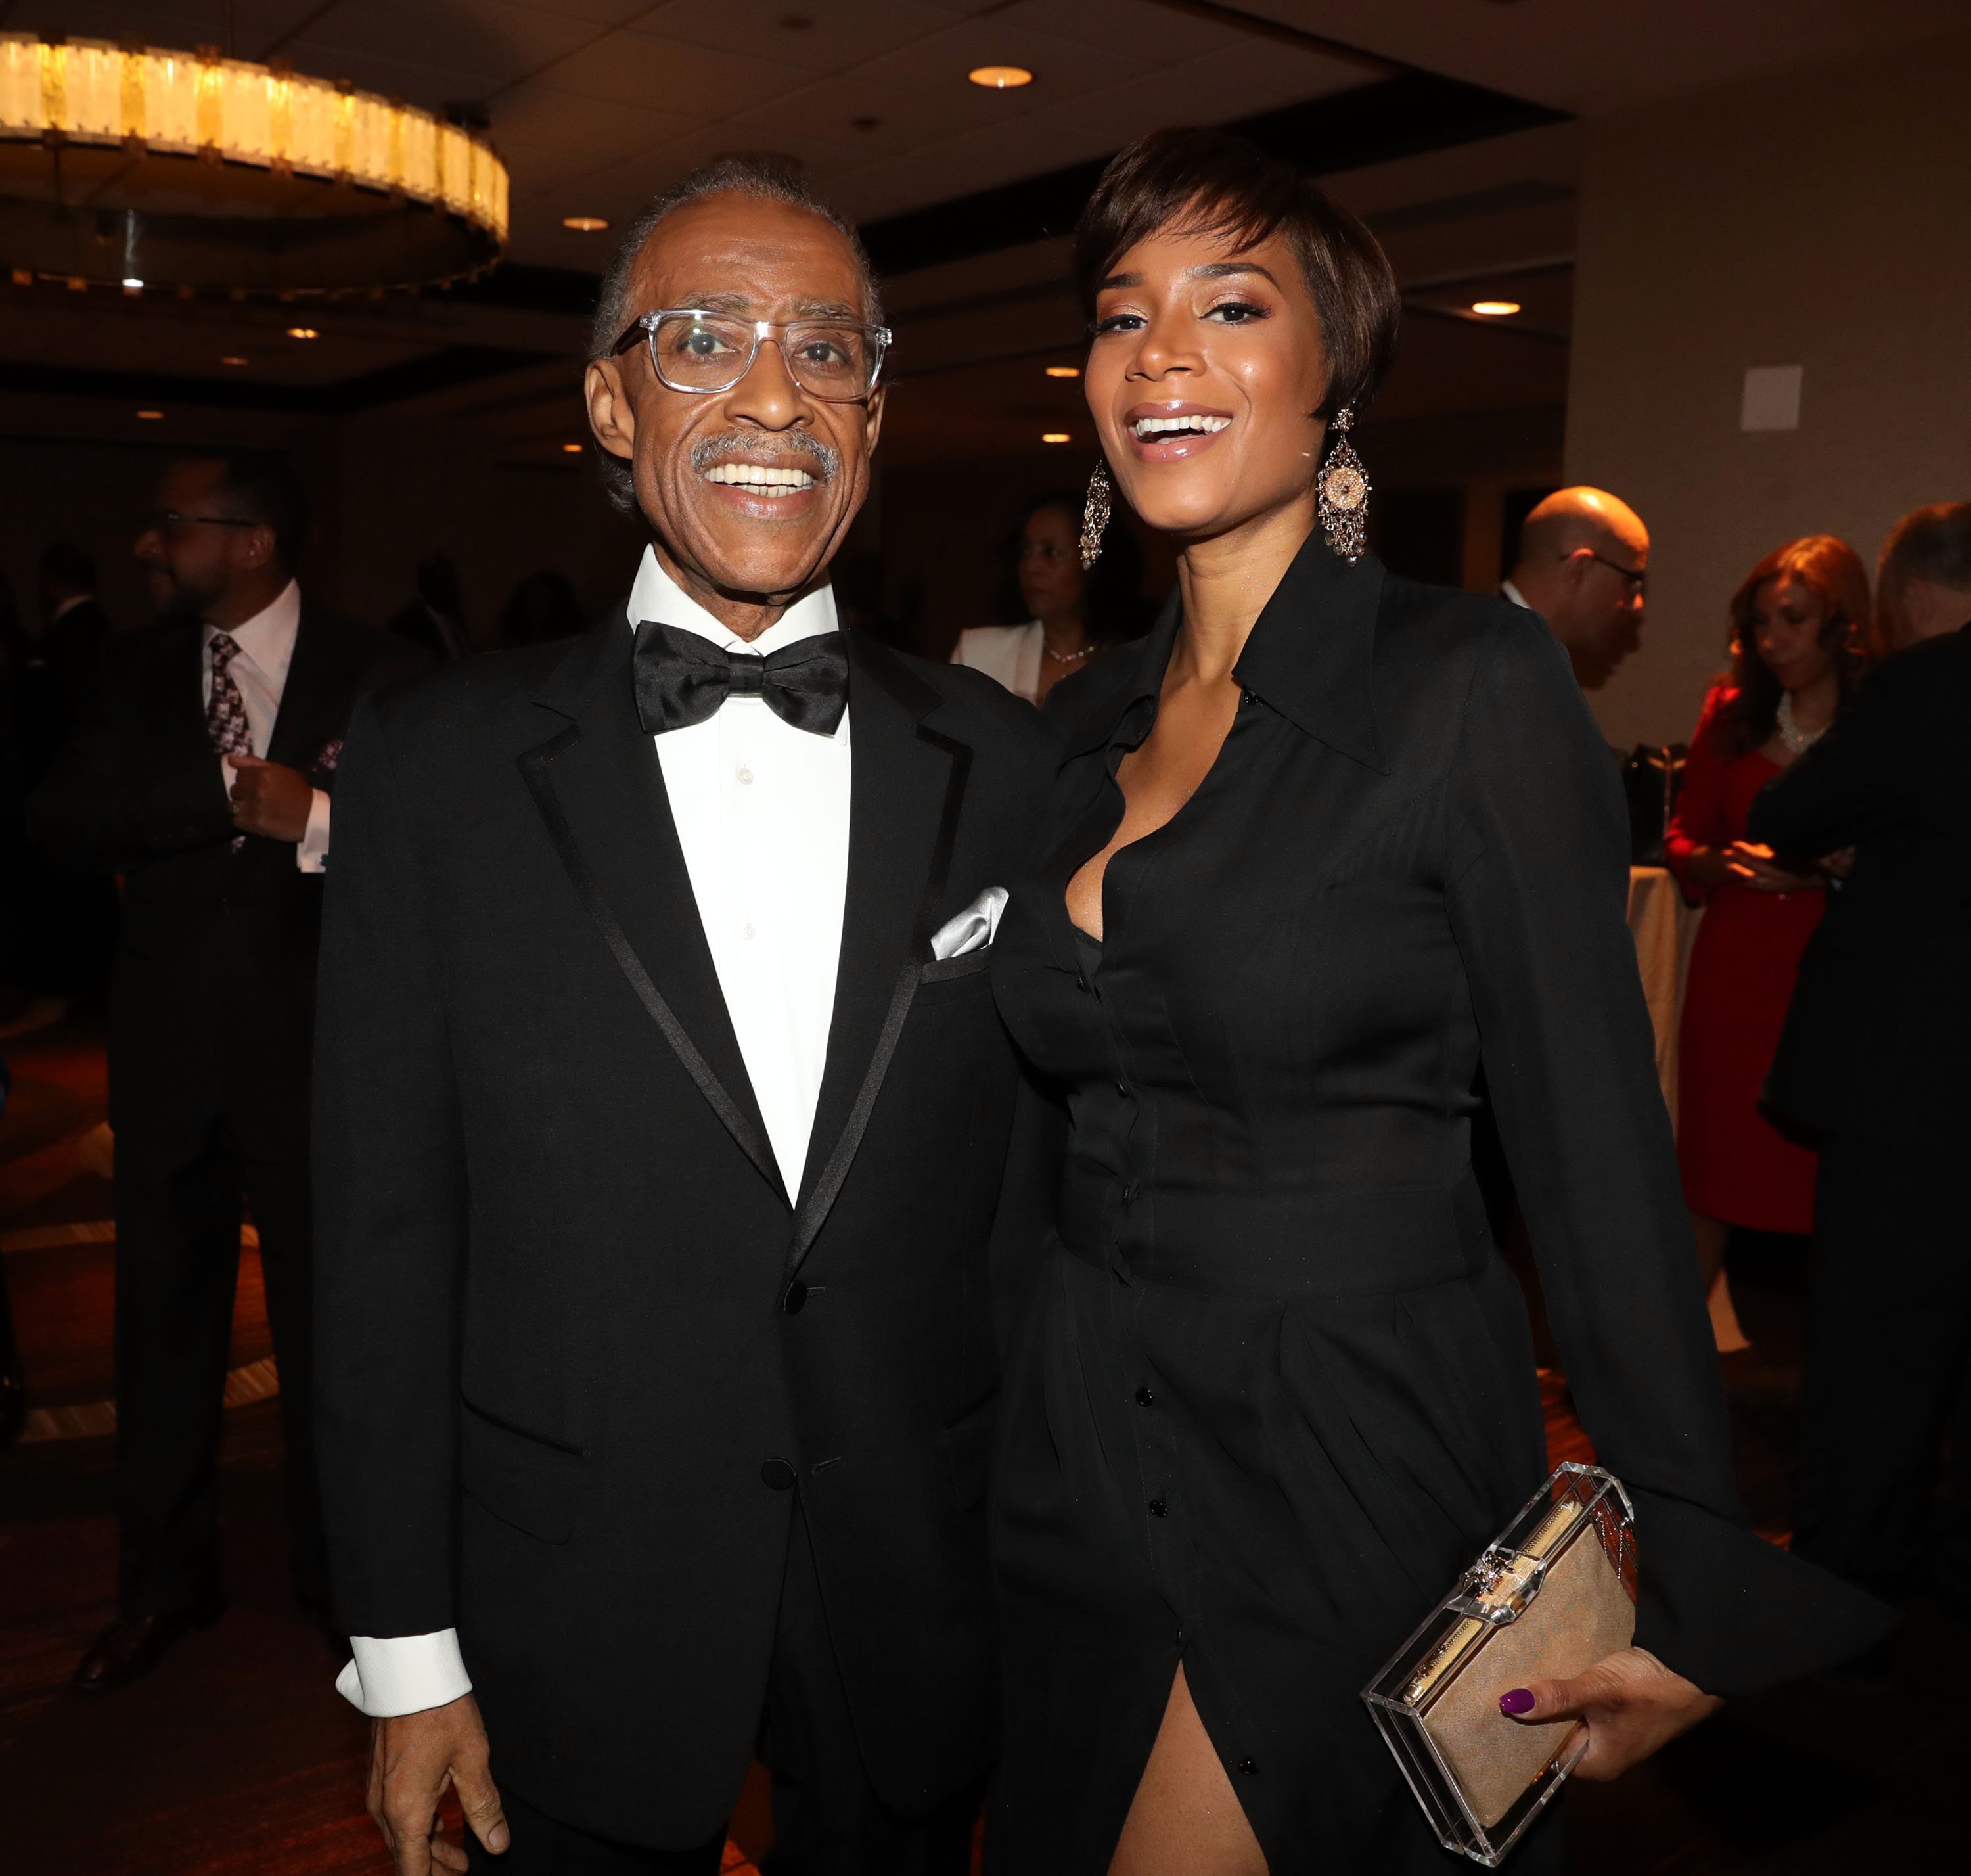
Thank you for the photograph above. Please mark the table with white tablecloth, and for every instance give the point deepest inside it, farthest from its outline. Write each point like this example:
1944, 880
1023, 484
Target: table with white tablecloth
1663, 927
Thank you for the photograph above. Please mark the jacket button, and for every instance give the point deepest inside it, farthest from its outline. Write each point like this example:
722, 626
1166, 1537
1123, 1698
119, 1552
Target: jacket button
794, 1296
1248, 1768
1158, 1508
778, 1474
1144, 1397
1122, 1086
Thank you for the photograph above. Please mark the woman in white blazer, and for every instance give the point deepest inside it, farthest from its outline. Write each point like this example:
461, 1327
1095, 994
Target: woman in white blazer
1076, 614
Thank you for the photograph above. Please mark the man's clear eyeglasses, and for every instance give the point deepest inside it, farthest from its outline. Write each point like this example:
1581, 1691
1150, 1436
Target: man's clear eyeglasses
838, 361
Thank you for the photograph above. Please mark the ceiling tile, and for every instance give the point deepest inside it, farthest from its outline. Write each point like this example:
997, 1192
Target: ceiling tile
688, 81
484, 46
1139, 28
844, 33
1285, 73
534, 117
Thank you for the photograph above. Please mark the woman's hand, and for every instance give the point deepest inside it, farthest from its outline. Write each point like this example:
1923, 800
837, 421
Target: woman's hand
1632, 1704
1751, 864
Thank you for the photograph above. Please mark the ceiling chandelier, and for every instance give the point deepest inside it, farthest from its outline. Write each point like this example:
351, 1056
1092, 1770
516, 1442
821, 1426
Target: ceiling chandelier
147, 169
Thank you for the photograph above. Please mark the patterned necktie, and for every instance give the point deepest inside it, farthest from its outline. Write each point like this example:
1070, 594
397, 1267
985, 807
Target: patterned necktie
226, 708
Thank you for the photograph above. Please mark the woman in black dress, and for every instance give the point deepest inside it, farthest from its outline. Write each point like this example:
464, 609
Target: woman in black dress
1332, 860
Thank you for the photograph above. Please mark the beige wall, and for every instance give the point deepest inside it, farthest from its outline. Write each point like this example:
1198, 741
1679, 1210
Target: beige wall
1821, 219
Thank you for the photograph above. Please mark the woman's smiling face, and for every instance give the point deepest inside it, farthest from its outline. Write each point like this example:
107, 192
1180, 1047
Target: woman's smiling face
1203, 376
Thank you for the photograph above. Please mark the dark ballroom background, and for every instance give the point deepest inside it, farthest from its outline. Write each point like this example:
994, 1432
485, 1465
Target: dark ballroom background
1710, 258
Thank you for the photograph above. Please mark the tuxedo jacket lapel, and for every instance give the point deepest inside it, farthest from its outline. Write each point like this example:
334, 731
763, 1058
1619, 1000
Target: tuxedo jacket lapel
906, 786
600, 788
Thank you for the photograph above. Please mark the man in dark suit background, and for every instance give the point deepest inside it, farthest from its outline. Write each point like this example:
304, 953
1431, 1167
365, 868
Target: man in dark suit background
663, 1137
201, 769
1873, 1057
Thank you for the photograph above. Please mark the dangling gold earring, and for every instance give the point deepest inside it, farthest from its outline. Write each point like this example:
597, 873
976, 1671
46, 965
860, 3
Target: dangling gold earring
1095, 516
1342, 504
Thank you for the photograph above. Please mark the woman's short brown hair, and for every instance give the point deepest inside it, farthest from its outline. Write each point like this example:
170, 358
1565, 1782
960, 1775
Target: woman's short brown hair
1832, 572
1212, 182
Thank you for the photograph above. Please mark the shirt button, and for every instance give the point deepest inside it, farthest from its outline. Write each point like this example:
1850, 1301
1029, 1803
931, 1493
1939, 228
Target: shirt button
1144, 1398
745, 931
1158, 1508
1130, 1193
794, 1297
1122, 1086
745, 776
777, 1475
1248, 1768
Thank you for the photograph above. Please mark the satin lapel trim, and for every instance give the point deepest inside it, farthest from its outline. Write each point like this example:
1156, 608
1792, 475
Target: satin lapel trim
600, 790
906, 788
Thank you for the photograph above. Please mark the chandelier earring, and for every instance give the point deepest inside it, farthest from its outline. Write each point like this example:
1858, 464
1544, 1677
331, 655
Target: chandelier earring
1343, 490
1094, 516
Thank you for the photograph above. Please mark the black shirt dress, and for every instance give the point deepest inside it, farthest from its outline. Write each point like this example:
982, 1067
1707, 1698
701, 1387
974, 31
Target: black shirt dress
1277, 1387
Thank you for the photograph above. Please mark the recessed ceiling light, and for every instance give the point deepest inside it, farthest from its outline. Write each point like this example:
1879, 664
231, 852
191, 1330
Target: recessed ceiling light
571, 449
584, 224
150, 416
1063, 371
1000, 77
303, 332
1054, 436
132, 284
234, 358
1494, 308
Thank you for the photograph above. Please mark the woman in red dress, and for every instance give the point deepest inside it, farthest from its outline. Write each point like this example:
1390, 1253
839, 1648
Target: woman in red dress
1799, 635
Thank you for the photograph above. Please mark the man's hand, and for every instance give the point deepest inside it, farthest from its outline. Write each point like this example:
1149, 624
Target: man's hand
1632, 1703
412, 1759
269, 799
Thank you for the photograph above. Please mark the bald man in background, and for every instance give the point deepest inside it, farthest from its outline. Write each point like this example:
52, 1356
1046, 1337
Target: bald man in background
1584, 557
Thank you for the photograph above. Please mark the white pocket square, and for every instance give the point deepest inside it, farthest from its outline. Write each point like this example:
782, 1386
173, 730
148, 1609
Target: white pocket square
973, 929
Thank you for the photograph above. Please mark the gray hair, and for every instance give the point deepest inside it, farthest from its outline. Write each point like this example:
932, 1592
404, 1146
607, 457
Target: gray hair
766, 177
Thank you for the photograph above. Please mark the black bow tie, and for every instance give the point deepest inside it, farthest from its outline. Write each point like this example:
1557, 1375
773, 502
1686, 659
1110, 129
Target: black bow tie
682, 678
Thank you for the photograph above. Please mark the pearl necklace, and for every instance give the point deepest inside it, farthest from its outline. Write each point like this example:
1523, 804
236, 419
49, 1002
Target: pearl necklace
1797, 741
1065, 657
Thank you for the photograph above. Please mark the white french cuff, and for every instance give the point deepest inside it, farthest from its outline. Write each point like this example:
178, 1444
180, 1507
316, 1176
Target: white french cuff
311, 851
393, 1674
973, 929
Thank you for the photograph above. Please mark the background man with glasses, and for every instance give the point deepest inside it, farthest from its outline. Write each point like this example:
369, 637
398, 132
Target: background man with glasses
1583, 566
201, 770
669, 1228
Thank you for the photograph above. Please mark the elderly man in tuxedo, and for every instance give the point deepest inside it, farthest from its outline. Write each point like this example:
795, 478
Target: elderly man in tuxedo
663, 1142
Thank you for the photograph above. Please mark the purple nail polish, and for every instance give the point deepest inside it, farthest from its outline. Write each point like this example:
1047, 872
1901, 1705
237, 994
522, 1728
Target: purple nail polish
1520, 1700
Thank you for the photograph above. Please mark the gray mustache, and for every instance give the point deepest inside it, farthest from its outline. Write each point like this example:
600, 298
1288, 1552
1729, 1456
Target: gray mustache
708, 451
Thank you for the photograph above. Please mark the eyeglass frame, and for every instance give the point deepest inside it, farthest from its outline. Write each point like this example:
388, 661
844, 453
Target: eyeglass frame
164, 520
646, 324
1638, 577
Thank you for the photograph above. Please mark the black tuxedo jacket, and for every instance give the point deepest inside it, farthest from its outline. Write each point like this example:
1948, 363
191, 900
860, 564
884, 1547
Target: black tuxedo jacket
578, 1349
212, 998
1876, 1040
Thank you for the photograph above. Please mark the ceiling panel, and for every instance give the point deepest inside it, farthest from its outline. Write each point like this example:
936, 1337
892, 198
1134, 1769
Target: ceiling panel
687, 81
844, 33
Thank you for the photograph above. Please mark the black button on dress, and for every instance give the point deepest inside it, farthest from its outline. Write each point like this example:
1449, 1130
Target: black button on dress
1279, 1388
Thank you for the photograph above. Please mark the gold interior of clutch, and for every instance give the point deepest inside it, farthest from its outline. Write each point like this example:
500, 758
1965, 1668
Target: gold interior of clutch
1581, 1612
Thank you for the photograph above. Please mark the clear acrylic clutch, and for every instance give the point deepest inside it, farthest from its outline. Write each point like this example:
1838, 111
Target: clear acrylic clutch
1551, 1595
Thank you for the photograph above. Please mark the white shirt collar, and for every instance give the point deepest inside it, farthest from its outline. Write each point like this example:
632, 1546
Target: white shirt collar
656, 595
1512, 593
268, 637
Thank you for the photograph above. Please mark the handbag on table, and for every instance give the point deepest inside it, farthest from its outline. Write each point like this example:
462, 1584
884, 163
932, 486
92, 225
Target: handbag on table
1549, 1596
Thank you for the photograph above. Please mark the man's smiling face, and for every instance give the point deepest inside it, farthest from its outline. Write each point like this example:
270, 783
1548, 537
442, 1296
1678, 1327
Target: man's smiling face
749, 491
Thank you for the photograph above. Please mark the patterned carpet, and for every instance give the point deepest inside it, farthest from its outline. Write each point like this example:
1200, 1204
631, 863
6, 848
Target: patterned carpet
237, 1755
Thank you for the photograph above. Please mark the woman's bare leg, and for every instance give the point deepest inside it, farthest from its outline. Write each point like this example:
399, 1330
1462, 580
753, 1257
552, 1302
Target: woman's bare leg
1185, 1820
1713, 1235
